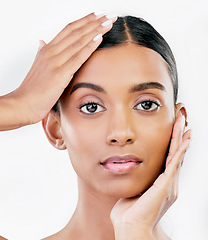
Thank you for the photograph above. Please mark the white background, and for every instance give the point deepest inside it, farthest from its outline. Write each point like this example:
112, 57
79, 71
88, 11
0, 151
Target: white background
38, 189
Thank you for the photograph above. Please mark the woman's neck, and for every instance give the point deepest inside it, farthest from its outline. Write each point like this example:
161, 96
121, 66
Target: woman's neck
91, 219
92, 215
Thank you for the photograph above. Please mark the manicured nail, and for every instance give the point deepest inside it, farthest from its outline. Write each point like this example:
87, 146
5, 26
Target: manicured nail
99, 13
39, 45
97, 37
191, 133
111, 16
106, 23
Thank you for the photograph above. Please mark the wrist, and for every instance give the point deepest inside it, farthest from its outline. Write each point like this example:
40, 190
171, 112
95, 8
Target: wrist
12, 112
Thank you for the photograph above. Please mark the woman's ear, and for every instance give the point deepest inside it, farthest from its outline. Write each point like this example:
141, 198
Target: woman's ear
52, 128
181, 111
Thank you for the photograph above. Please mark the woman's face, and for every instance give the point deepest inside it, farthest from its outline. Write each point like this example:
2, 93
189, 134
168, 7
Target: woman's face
119, 103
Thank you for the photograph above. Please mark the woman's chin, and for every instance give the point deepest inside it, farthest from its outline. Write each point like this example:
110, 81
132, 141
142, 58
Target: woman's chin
126, 190
125, 193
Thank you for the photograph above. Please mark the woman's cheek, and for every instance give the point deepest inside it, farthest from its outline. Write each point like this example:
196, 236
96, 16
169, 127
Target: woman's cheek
163, 140
158, 133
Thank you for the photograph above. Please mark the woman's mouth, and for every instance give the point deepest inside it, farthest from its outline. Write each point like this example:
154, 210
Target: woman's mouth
121, 164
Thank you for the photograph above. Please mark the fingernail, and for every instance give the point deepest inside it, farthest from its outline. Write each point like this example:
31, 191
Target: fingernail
97, 37
99, 13
106, 23
191, 133
111, 15
39, 45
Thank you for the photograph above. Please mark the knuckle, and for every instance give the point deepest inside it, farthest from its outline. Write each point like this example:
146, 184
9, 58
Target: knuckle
75, 58
167, 193
69, 26
78, 43
175, 197
78, 31
179, 164
47, 51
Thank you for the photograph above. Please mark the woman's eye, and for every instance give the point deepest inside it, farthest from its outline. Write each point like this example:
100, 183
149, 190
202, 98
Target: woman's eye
90, 108
147, 106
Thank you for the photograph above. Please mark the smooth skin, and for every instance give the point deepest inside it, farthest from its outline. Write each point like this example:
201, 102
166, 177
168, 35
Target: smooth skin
124, 214
119, 126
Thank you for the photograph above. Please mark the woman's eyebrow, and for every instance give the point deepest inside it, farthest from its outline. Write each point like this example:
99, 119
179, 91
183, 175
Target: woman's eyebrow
134, 88
147, 85
87, 85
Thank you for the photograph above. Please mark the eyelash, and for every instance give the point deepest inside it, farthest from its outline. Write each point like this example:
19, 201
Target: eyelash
158, 105
87, 104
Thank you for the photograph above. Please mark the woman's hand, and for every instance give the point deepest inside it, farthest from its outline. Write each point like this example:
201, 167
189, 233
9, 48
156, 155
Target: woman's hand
136, 218
52, 70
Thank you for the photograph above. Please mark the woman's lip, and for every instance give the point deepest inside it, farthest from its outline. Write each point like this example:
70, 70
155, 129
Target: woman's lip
122, 159
121, 164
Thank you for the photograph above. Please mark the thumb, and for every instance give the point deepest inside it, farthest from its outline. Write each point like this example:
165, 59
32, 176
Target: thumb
41, 44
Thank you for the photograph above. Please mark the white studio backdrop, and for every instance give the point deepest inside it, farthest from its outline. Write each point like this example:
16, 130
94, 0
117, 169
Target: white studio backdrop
38, 191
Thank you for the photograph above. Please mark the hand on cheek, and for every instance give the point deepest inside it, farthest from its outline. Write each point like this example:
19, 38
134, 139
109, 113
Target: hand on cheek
139, 216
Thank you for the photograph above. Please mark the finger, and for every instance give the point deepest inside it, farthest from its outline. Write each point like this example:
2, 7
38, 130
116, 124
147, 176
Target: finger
175, 179
81, 36
82, 45
187, 135
41, 44
165, 188
176, 136
176, 161
74, 25
177, 174
174, 166
164, 191
75, 62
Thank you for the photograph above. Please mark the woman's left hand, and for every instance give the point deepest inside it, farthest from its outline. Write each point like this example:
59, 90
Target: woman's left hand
137, 217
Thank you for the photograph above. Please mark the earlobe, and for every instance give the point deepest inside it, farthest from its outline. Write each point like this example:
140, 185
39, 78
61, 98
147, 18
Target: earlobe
52, 128
181, 111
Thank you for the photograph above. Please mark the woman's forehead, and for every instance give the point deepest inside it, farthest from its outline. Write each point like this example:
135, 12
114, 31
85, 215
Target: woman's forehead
124, 65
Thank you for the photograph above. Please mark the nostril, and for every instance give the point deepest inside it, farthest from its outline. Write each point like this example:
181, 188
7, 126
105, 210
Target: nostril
127, 141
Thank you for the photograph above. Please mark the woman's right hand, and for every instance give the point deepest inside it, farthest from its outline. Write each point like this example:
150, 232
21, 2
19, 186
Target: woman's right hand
52, 70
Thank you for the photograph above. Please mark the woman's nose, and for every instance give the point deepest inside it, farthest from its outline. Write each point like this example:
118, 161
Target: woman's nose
121, 131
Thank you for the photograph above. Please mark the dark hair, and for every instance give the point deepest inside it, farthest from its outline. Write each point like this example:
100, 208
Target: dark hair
135, 30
